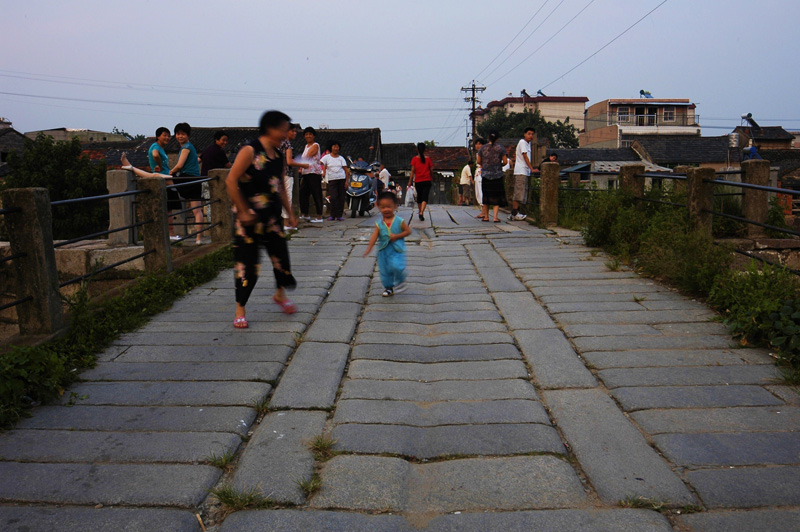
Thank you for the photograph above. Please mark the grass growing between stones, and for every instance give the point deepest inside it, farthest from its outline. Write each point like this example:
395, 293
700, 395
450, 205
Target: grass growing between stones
311, 485
221, 461
632, 501
38, 374
234, 500
614, 264
261, 405
322, 448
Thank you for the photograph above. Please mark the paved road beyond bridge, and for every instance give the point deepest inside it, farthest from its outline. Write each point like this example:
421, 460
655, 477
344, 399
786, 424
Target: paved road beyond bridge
518, 385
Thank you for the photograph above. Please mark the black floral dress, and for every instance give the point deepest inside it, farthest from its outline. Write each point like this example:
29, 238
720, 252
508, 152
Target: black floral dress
261, 186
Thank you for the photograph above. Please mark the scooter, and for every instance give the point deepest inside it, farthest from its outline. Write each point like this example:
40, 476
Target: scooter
361, 190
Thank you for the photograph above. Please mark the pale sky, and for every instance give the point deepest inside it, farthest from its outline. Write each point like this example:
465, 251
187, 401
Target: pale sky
396, 65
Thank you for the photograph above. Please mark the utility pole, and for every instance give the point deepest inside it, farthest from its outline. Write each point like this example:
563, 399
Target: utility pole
473, 90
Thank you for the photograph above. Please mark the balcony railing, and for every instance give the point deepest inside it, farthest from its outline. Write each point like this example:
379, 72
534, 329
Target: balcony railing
660, 119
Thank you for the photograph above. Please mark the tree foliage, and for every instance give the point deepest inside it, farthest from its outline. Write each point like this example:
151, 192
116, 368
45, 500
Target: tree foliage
127, 135
66, 174
512, 125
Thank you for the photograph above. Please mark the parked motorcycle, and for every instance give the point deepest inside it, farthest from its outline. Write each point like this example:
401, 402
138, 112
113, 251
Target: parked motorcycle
361, 190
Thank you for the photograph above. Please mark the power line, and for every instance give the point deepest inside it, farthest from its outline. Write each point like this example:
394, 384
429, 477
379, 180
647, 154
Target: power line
606, 45
512, 40
544, 43
524, 41
474, 89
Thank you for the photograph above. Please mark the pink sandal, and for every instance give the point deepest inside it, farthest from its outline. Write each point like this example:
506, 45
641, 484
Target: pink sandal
287, 305
241, 323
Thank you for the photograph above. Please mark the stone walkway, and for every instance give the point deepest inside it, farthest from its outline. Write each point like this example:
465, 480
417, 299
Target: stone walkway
518, 385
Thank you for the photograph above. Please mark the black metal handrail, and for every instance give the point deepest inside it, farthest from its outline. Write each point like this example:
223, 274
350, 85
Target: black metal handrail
13, 256
190, 235
652, 175
776, 190
17, 302
587, 172
753, 222
728, 172
105, 268
766, 260
96, 198
194, 182
11, 210
100, 233
184, 211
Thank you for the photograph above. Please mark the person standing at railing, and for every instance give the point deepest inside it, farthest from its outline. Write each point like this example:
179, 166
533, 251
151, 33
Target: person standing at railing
159, 164
255, 185
187, 170
215, 157
522, 174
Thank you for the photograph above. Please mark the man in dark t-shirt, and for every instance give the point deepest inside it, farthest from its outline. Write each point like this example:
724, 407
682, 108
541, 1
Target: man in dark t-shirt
214, 156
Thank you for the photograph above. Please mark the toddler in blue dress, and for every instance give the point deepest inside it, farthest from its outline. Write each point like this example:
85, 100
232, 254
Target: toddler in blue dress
390, 233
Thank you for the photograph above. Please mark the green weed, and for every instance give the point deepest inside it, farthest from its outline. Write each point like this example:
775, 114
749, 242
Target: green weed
322, 448
310, 485
234, 500
642, 502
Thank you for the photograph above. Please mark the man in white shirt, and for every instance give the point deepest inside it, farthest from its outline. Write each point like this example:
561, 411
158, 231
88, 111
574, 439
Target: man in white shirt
384, 175
522, 174
337, 173
465, 185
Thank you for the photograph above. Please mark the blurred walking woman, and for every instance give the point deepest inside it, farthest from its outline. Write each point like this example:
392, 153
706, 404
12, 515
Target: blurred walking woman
255, 185
491, 159
421, 171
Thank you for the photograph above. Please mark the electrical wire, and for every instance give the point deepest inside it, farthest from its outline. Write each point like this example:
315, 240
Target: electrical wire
512, 40
524, 41
606, 45
544, 43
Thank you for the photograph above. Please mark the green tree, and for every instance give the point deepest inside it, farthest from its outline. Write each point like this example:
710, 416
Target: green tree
512, 125
61, 168
127, 135
430, 143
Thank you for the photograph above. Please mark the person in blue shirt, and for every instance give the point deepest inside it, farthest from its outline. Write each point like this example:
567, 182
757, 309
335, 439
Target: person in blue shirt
188, 169
390, 234
159, 164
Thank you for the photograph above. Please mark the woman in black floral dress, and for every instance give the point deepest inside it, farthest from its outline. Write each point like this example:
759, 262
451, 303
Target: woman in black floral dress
255, 185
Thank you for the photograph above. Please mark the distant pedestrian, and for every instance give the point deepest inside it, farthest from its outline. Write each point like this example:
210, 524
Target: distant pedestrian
522, 174
214, 156
384, 175
337, 174
187, 170
411, 196
255, 185
492, 157
390, 233
478, 178
311, 177
422, 178
291, 164
465, 185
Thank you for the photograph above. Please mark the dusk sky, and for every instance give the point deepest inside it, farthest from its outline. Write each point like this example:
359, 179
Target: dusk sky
394, 65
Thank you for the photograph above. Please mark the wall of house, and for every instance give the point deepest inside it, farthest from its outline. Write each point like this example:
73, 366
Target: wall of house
597, 131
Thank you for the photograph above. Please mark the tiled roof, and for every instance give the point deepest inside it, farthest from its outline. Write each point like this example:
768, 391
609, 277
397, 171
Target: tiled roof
397, 157
11, 139
683, 149
787, 161
567, 156
765, 133
449, 157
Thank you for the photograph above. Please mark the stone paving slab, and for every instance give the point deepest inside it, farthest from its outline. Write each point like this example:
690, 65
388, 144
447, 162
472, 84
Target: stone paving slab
747, 487
771, 520
648, 317
373, 483
623, 343
118, 484
312, 521
211, 393
742, 449
168, 353
439, 413
490, 338
425, 299
222, 326
686, 376
231, 338
185, 371
437, 371
464, 307
397, 326
437, 391
235, 419
604, 297
553, 360
80, 519
278, 456
430, 318
561, 308
340, 311
313, 376
349, 289
449, 440
662, 358
734, 419
640, 398
522, 311
464, 288
331, 330
459, 353
97, 447
615, 456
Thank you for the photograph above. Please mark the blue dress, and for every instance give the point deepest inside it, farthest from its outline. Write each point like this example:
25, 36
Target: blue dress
391, 255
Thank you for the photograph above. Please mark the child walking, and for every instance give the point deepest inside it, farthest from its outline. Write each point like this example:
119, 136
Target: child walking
390, 234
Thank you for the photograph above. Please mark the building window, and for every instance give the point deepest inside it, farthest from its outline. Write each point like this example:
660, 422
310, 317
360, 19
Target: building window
623, 115
625, 143
669, 114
